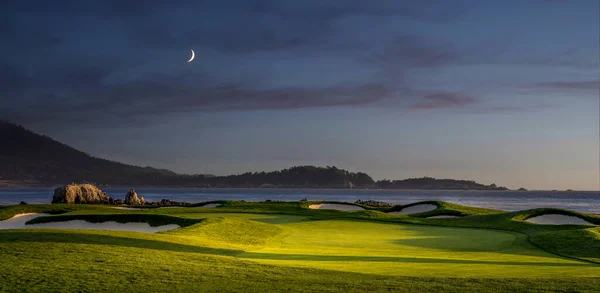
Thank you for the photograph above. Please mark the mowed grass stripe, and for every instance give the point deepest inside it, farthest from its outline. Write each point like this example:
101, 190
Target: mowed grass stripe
284, 247
414, 250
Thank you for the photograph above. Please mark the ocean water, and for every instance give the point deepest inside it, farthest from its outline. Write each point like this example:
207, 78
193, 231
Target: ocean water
582, 201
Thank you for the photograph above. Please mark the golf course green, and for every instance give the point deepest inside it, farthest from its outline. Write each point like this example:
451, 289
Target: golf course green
289, 247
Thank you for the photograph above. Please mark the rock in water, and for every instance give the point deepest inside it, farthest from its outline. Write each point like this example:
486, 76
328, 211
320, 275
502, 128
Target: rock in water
131, 198
80, 193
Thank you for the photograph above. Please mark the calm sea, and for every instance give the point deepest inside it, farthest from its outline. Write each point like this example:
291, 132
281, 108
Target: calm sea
583, 201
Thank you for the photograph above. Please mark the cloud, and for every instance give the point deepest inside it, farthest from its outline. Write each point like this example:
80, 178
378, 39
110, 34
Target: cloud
267, 26
554, 1
414, 51
14, 81
165, 97
568, 85
509, 109
78, 88
443, 100
105, 84
228, 26
575, 57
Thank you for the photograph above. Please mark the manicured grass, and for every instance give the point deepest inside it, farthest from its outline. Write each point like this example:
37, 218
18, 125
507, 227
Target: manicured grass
580, 243
272, 246
412, 250
108, 265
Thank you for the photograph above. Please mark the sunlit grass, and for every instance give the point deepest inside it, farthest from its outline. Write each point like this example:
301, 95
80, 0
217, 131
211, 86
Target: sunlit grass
260, 247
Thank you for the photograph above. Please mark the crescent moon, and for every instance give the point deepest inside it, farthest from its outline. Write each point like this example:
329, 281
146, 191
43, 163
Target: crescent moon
193, 55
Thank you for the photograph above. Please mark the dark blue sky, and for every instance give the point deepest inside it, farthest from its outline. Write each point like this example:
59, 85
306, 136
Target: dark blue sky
494, 91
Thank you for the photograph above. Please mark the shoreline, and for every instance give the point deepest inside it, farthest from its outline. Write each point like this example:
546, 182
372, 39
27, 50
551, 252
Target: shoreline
290, 188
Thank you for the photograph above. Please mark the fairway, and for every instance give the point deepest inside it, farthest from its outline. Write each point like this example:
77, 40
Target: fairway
411, 250
253, 247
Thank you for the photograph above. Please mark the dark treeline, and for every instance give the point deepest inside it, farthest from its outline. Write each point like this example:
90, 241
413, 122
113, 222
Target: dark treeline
332, 177
432, 183
30, 159
295, 177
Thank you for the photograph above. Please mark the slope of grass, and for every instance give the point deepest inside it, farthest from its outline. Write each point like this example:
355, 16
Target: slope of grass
224, 231
524, 215
109, 266
411, 250
273, 246
445, 208
580, 243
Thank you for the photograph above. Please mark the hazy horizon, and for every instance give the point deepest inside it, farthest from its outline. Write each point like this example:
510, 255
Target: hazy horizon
504, 92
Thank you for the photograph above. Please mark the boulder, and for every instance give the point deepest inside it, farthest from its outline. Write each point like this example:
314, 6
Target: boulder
80, 194
169, 203
374, 203
131, 198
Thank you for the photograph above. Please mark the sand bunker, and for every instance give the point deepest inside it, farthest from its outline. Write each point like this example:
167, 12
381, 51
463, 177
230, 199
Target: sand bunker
443, 217
558, 219
18, 222
416, 209
335, 206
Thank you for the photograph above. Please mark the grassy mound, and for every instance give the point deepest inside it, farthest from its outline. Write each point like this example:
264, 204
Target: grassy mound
581, 243
94, 262
7, 212
232, 230
283, 246
524, 215
445, 208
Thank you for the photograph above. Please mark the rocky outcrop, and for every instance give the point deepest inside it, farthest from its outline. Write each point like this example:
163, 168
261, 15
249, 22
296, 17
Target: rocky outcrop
80, 194
168, 203
131, 198
374, 203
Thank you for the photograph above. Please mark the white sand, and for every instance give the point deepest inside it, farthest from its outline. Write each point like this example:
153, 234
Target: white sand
335, 206
416, 209
80, 224
558, 219
18, 222
130, 209
210, 205
443, 217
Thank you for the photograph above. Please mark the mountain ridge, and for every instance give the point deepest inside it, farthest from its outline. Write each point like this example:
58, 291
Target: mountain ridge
31, 159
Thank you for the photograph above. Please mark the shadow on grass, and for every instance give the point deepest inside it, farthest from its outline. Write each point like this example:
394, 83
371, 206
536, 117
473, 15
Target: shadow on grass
282, 219
475, 240
344, 258
15, 236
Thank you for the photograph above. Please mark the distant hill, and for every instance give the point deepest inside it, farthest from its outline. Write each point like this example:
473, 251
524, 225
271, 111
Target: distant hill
30, 159
436, 184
